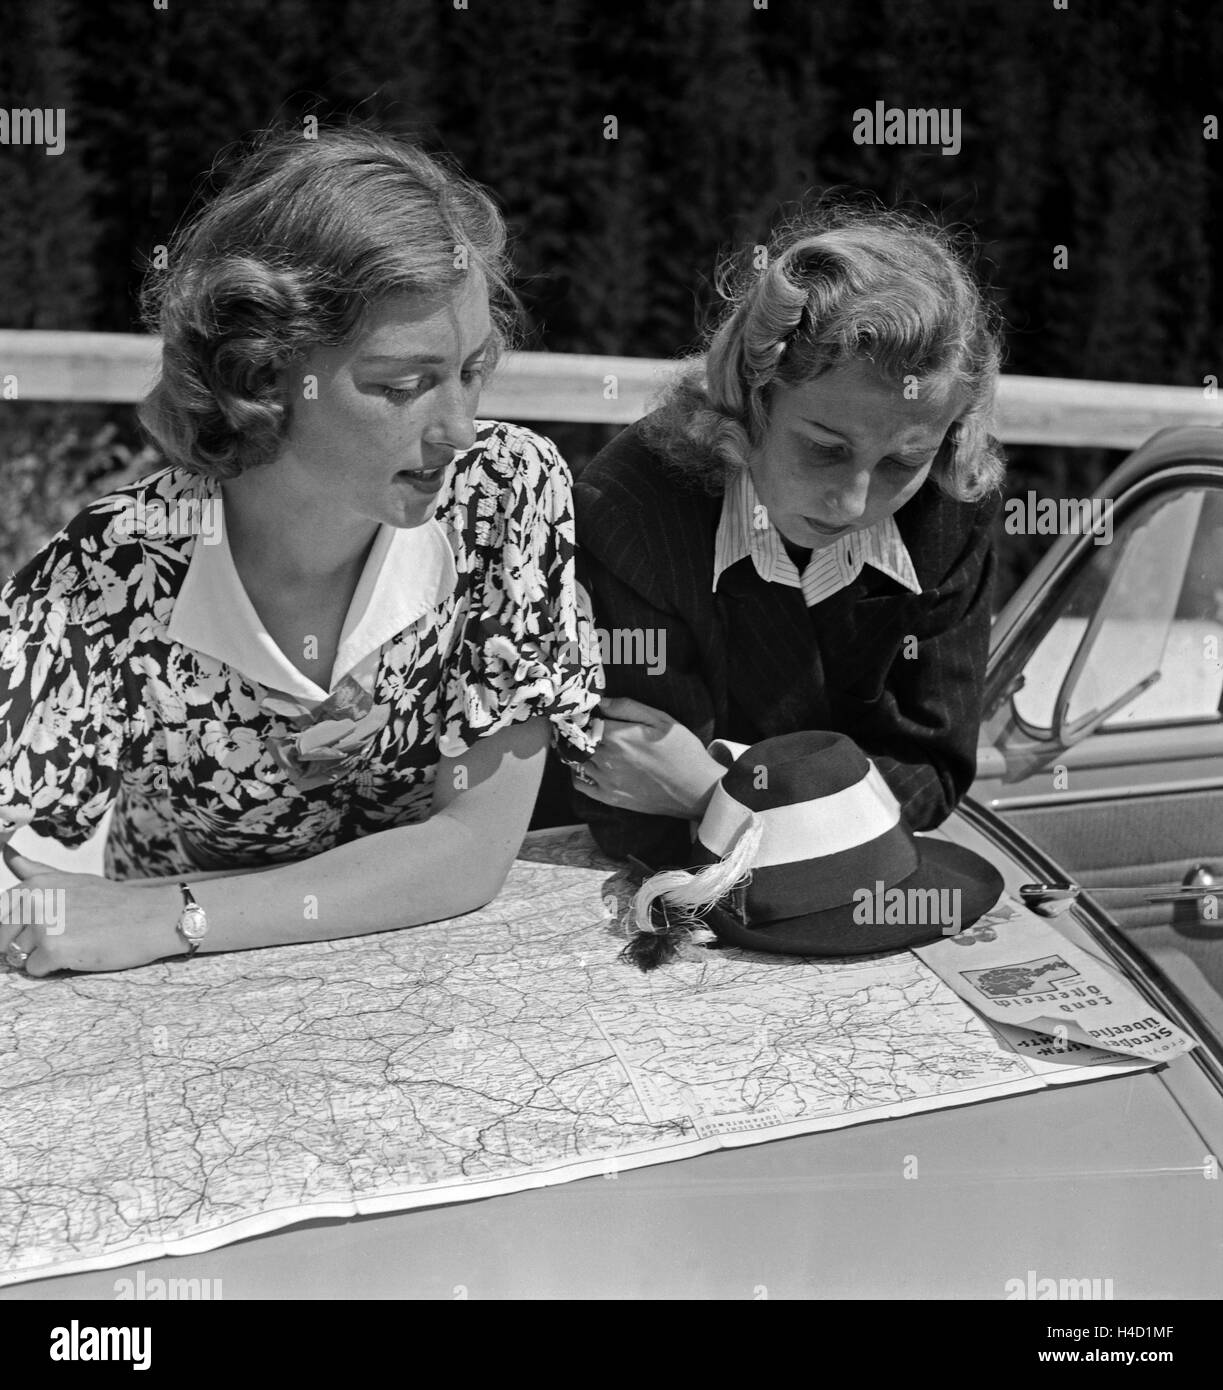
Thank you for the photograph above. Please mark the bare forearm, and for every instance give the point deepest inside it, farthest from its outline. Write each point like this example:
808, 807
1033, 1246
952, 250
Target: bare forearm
451, 863
398, 878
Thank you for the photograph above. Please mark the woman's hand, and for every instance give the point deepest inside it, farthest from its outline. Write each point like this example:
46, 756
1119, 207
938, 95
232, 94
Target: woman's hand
649, 762
84, 921
12, 819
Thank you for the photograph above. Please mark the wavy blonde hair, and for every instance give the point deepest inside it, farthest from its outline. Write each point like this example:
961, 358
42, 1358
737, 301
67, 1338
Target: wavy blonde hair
304, 238
840, 283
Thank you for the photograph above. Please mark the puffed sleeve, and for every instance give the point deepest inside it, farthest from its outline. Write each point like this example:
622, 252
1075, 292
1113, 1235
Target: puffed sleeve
528, 646
62, 726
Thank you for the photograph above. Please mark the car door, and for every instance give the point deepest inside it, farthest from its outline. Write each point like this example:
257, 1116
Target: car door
1102, 734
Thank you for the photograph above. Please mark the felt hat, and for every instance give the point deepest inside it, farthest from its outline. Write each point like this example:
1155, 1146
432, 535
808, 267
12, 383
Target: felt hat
803, 850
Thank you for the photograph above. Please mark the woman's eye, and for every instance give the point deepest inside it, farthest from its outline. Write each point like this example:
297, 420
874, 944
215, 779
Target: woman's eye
401, 394
906, 467
824, 453
474, 373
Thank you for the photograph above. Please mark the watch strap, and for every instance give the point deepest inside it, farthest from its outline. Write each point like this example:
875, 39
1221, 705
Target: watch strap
192, 925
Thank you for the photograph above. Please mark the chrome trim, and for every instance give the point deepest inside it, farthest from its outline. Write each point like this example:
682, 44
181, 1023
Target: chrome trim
1124, 789
1105, 933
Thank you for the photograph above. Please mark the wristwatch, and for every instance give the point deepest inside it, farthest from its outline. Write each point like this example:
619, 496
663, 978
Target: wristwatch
192, 923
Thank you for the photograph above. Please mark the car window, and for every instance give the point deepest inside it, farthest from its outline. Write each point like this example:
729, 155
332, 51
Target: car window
1149, 602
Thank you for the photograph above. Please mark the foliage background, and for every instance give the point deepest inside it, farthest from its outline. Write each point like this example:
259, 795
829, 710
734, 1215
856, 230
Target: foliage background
1082, 127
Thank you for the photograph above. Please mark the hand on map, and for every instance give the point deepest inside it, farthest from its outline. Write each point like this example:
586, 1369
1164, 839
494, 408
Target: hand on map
84, 921
11, 821
646, 761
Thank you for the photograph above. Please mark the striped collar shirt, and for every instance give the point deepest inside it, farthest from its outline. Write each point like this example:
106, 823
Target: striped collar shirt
829, 570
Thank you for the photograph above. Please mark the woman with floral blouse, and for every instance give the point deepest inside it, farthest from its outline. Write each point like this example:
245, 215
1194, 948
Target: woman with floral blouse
314, 664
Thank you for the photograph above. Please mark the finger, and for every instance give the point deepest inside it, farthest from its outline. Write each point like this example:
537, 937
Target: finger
23, 943
620, 738
10, 928
11, 821
25, 912
607, 769
22, 865
40, 963
620, 707
597, 793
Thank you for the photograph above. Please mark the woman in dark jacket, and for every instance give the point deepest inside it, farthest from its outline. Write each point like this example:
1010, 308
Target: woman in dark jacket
799, 538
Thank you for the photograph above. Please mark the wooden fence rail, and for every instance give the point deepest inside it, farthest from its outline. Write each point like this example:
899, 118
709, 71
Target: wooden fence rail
544, 386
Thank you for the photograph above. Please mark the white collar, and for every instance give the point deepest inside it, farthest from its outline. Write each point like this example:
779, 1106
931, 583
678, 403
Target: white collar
409, 570
829, 570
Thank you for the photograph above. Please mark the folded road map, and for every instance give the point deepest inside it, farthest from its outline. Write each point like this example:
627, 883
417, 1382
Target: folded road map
1020, 971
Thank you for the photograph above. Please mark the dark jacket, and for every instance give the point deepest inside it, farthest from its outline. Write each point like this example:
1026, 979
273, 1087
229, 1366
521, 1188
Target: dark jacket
751, 660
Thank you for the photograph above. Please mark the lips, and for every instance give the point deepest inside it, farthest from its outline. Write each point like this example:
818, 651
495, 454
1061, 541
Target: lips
426, 481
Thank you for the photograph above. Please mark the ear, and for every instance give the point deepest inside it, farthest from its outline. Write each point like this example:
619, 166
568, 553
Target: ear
280, 373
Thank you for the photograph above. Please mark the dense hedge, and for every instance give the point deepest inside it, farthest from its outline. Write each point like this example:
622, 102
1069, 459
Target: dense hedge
1083, 127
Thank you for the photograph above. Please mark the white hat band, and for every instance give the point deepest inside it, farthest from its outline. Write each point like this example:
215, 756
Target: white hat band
808, 830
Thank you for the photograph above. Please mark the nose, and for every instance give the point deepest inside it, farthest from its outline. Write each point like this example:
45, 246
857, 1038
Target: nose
452, 425
846, 503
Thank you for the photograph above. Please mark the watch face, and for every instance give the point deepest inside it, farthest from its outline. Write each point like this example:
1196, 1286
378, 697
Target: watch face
193, 924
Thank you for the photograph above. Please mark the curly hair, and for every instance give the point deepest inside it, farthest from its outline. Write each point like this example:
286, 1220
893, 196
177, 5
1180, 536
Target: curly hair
841, 282
307, 234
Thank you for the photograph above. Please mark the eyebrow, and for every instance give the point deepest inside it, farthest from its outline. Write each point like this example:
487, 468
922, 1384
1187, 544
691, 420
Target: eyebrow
425, 360
896, 453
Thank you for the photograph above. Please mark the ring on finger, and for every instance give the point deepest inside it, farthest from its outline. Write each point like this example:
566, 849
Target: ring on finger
15, 956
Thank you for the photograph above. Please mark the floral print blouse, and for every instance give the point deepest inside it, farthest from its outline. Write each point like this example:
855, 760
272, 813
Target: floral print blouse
215, 763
